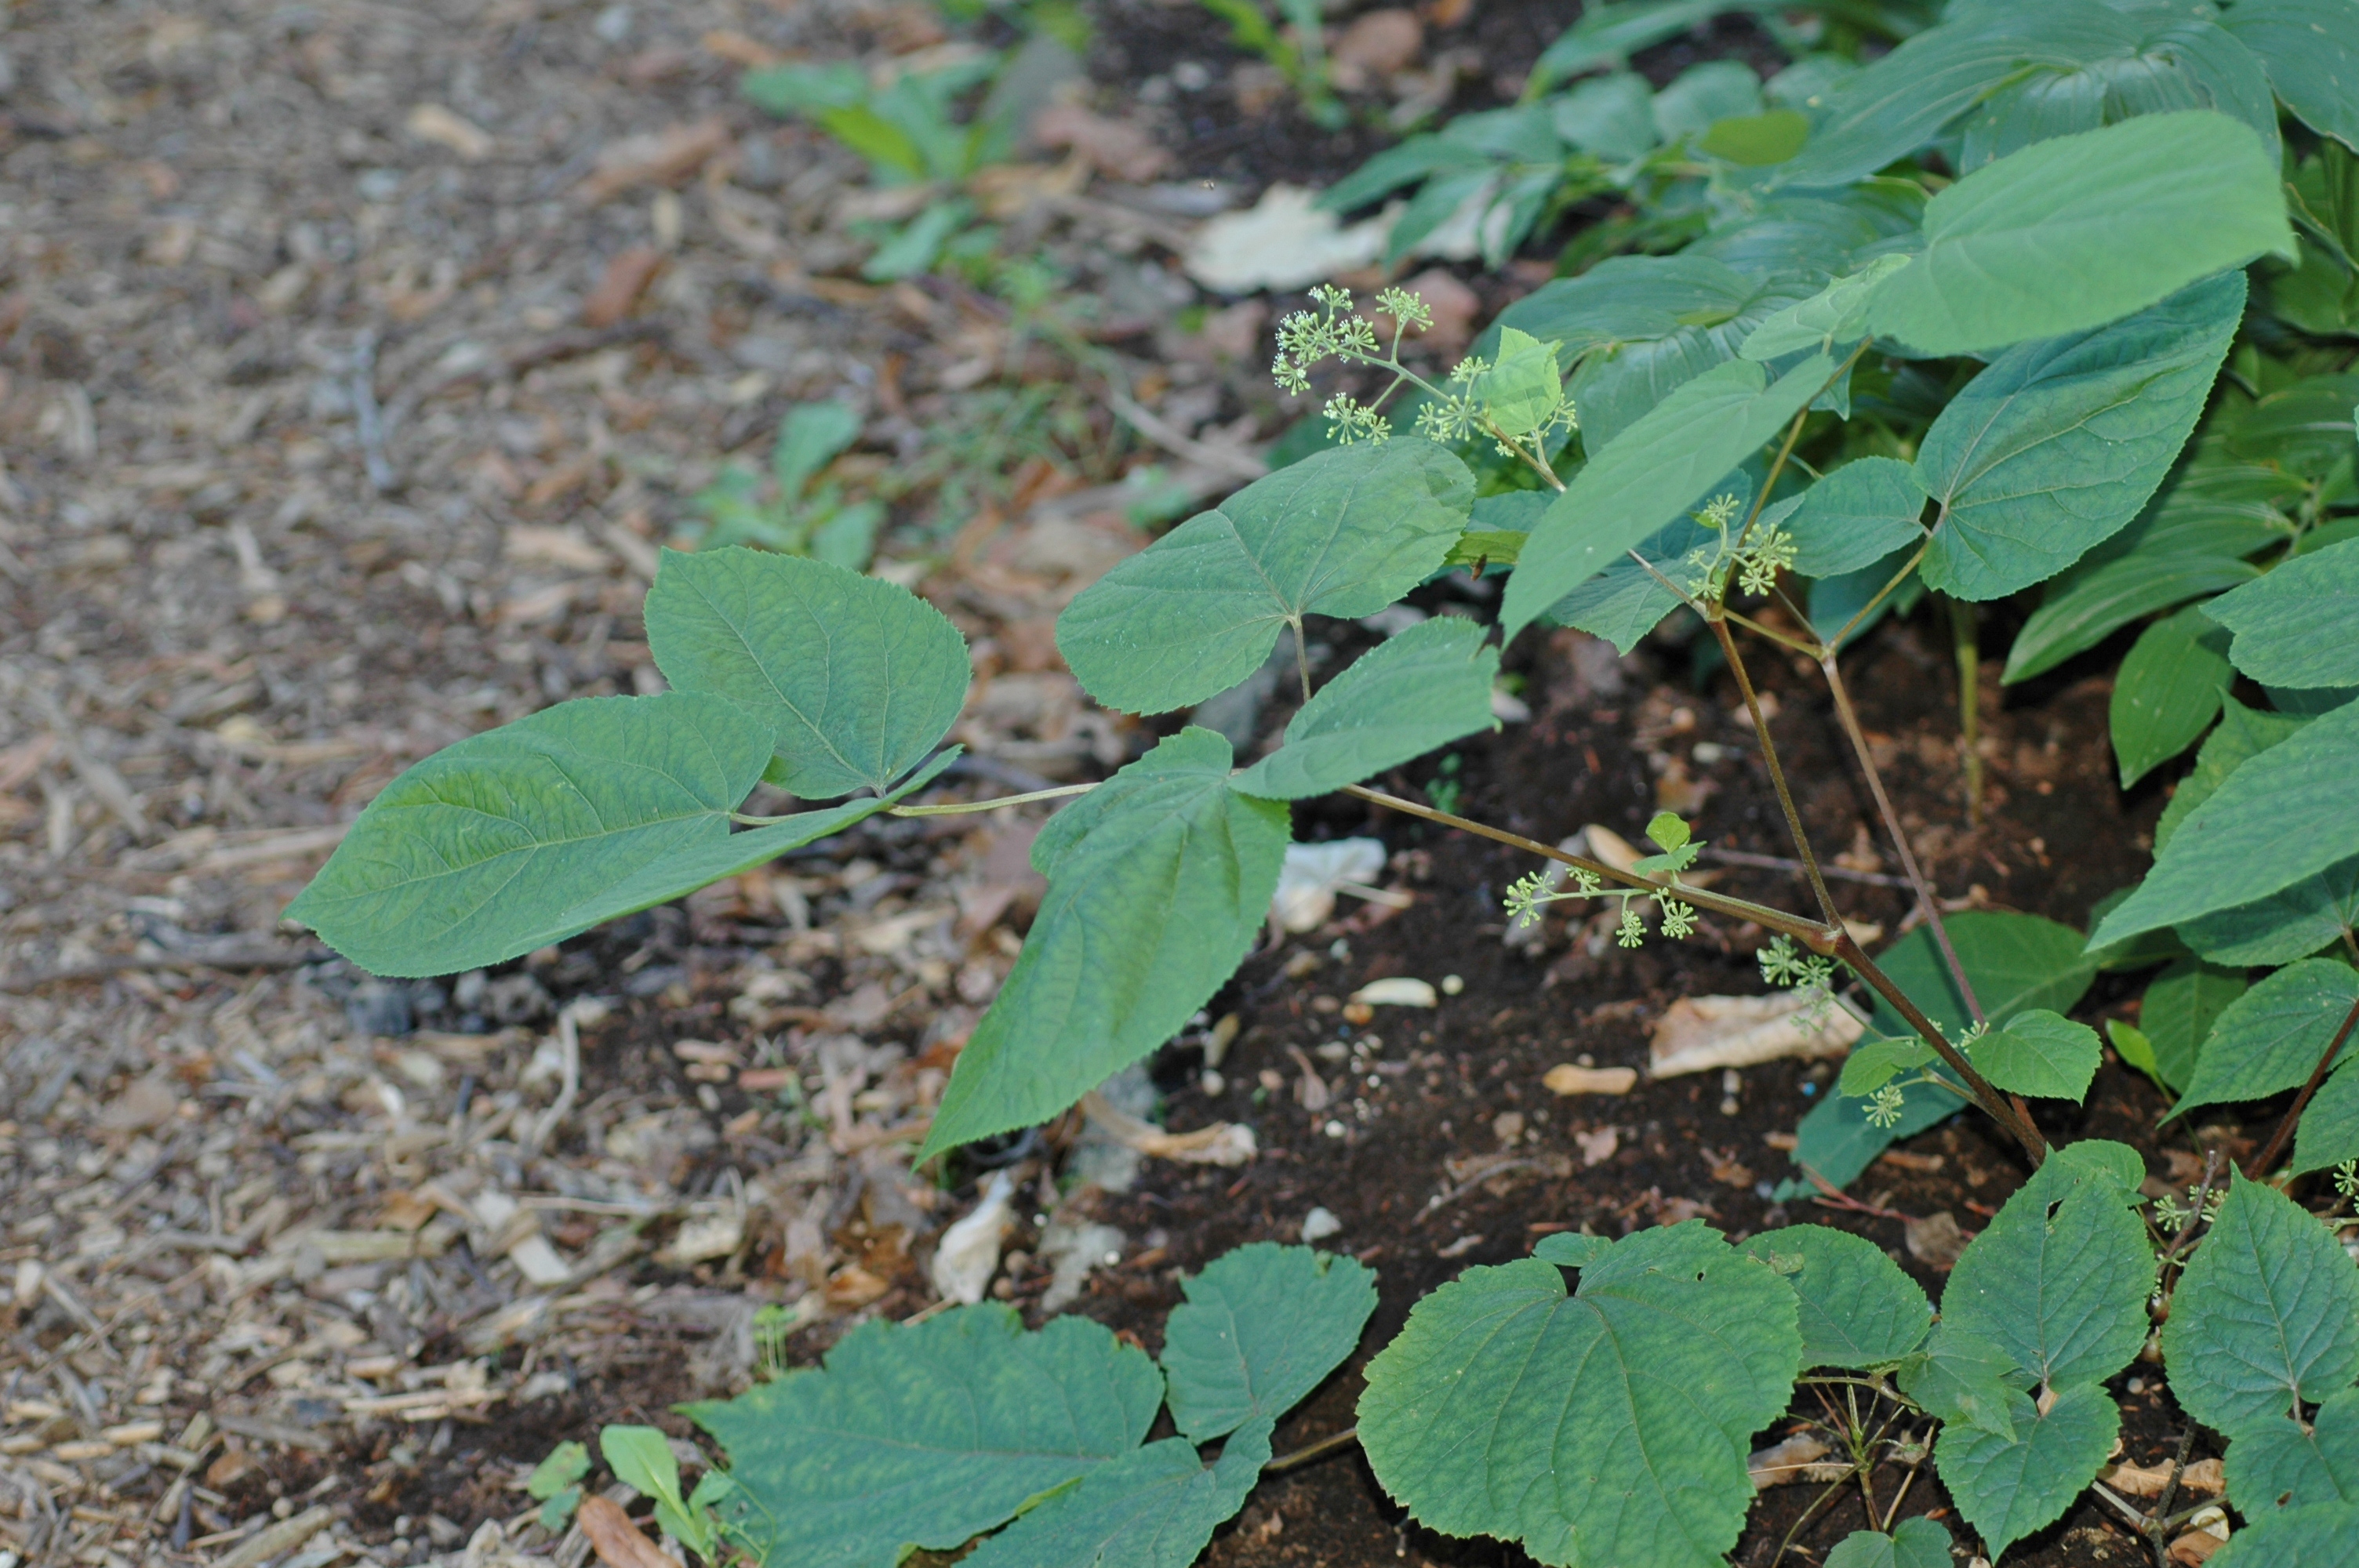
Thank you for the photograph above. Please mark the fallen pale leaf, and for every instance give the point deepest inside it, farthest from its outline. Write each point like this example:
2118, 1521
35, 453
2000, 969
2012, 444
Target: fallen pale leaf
1935, 1240
1794, 1459
1567, 1078
617, 1541
969, 1253
1222, 1143
1284, 241
2148, 1480
1312, 875
654, 157
1700, 1033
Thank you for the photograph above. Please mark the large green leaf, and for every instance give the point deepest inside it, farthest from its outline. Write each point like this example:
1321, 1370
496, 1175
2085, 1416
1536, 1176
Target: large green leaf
1611, 33
2328, 1134
925, 1436
857, 678
2168, 691
1156, 1508
536, 831
2008, 1487
1158, 881
1610, 1425
1915, 1543
2289, 923
2279, 1463
1653, 471
2294, 626
1615, 387
2178, 1013
1902, 101
2078, 230
2243, 734
2059, 1279
2040, 1053
2324, 1535
2265, 1316
1629, 599
2310, 50
2269, 1039
1966, 1381
1261, 1327
2190, 541
1834, 316
1345, 532
1427, 687
2057, 444
1858, 1309
2287, 813
1856, 517
2304, 429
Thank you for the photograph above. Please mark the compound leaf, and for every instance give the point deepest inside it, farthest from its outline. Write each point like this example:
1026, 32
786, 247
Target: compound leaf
1156, 1508
2059, 443
1917, 1543
1345, 532
1425, 687
2324, 1535
1857, 1308
2293, 626
2276, 1463
2265, 1316
2040, 1053
2168, 691
1856, 517
857, 678
2310, 50
2180, 1006
2058, 1279
1965, 1379
1261, 1327
2282, 816
1611, 1425
1652, 471
1158, 881
2078, 231
2008, 1487
536, 831
925, 1435
2268, 1039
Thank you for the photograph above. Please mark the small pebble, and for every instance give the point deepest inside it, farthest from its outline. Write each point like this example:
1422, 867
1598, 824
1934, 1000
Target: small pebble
1319, 1225
1451, 985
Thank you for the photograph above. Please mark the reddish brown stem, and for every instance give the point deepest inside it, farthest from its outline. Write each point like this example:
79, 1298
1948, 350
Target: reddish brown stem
2284, 1135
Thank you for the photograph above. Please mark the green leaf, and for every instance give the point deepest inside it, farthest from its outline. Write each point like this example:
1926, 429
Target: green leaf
2293, 626
2244, 734
2265, 1316
1849, 600
1427, 687
2168, 691
808, 438
2328, 1133
1158, 881
1612, 117
567, 1463
2136, 1051
2269, 1039
1344, 532
2058, 1279
2284, 814
2057, 444
2310, 50
1755, 141
2016, 962
1918, 1542
1611, 1425
1521, 389
2080, 231
1876, 1063
641, 1458
2180, 1007
557, 1509
1654, 470
1835, 316
1625, 602
2277, 1463
1611, 33
857, 678
1856, 516
536, 831
1262, 1327
1615, 388
2040, 1053
1838, 1140
2007, 1489
2292, 923
1903, 100
2304, 429
2324, 1535
925, 1435
1966, 1381
1155, 1509
1858, 1309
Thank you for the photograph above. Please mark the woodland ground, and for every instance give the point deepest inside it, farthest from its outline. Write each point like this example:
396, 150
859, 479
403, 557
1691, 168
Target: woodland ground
334, 431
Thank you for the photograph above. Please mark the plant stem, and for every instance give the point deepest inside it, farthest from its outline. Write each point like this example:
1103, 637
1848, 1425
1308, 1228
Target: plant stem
960, 808
2203, 1197
1777, 772
1861, 613
1849, 717
2157, 1529
2007, 1112
2267, 1160
1819, 938
1964, 639
1311, 1451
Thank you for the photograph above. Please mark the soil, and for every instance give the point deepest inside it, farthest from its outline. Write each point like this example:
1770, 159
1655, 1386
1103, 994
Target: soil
231, 609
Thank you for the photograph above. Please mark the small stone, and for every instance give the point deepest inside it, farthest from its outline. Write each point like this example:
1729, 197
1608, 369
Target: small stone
1319, 1225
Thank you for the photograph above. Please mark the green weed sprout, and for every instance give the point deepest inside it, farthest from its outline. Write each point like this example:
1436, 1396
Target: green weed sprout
799, 514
